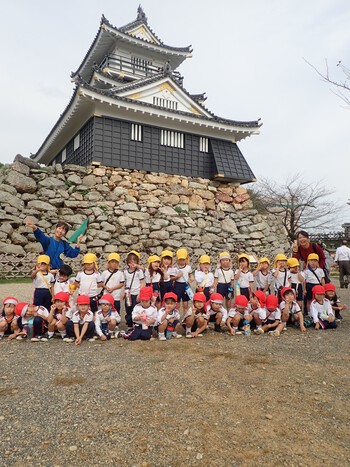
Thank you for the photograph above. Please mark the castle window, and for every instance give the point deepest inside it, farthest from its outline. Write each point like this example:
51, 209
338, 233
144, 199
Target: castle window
64, 155
203, 144
173, 139
167, 103
76, 142
136, 132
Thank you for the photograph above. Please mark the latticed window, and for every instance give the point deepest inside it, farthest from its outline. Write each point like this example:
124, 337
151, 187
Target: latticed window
174, 139
203, 144
136, 132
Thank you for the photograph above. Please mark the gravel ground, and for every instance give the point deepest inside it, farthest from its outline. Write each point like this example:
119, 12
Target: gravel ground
217, 401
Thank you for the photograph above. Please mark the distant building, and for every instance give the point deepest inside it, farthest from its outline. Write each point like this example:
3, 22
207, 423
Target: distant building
130, 109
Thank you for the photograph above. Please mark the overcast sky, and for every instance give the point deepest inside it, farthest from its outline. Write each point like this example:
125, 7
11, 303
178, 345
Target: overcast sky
247, 57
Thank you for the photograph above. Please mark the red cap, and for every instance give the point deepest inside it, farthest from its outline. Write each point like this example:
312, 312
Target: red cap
241, 300
271, 302
63, 296
259, 294
146, 293
107, 298
170, 295
199, 297
217, 297
287, 289
319, 290
329, 287
10, 300
21, 308
83, 300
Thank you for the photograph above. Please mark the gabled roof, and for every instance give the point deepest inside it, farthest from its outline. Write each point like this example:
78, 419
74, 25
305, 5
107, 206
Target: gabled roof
108, 36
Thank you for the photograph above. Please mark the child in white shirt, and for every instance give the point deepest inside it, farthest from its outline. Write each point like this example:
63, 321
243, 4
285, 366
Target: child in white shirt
43, 282
272, 324
321, 310
216, 310
237, 314
107, 318
224, 278
244, 276
263, 276
32, 322
134, 281
257, 310
314, 275
59, 314
113, 279
89, 280
290, 309
182, 275
281, 275
8, 318
144, 316
166, 261
81, 325
169, 318
297, 280
195, 320
203, 277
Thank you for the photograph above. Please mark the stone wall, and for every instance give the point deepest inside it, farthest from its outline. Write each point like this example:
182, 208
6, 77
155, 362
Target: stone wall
132, 209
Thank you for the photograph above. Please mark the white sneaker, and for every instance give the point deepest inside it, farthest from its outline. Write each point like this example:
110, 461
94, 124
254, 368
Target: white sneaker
68, 339
177, 336
238, 332
274, 333
188, 335
162, 338
258, 331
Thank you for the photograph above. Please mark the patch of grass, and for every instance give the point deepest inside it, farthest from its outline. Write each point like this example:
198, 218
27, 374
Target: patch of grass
68, 381
15, 280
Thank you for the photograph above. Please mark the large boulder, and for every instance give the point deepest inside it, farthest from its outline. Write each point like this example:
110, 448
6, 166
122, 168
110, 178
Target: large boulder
27, 161
22, 183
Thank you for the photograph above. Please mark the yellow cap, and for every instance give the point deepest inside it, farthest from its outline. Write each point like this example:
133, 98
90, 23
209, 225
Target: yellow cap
167, 253
181, 253
204, 259
134, 252
114, 257
244, 255
264, 260
224, 255
280, 257
153, 259
292, 262
313, 256
43, 259
90, 258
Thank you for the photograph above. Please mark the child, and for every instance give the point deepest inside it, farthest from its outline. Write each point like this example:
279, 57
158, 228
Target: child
32, 322
169, 318
237, 315
297, 280
272, 324
223, 278
281, 275
114, 279
335, 301
243, 276
203, 277
216, 310
195, 320
314, 275
62, 281
8, 318
144, 316
257, 311
107, 318
263, 276
321, 310
59, 313
153, 277
81, 325
290, 309
89, 280
166, 261
134, 281
43, 282
182, 275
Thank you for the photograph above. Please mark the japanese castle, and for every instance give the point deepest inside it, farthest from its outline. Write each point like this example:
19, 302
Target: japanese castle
130, 110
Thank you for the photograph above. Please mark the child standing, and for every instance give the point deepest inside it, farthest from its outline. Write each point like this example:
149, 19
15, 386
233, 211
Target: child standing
134, 281
154, 276
217, 312
144, 316
224, 278
243, 276
272, 323
195, 320
81, 325
297, 280
59, 308
107, 318
237, 315
314, 275
114, 279
166, 261
290, 309
62, 281
169, 318
331, 295
281, 275
321, 310
8, 318
204, 278
43, 282
263, 276
89, 280
182, 275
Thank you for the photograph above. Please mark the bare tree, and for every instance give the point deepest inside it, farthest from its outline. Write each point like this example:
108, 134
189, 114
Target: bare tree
299, 204
341, 87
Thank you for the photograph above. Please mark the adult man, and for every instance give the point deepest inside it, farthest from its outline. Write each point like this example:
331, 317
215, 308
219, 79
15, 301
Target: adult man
342, 258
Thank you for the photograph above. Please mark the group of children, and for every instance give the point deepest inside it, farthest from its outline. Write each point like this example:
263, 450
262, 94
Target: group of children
89, 305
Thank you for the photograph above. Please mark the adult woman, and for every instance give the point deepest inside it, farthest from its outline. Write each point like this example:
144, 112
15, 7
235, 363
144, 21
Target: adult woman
303, 247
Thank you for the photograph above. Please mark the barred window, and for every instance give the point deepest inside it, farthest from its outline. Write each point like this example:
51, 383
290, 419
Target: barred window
76, 142
167, 103
172, 138
203, 144
136, 132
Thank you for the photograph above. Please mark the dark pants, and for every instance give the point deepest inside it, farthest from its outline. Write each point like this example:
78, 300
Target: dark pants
139, 333
324, 324
223, 289
117, 305
165, 287
180, 291
43, 297
89, 333
344, 270
128, 310
94, 304
245, 291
